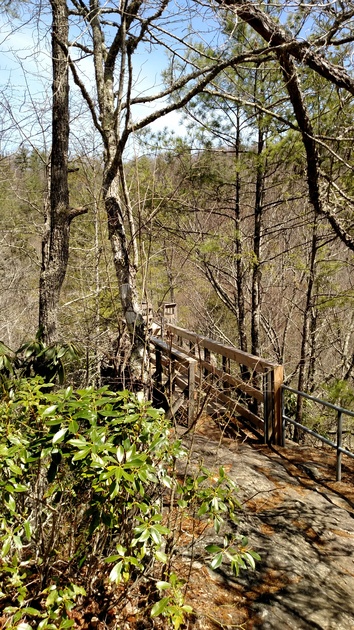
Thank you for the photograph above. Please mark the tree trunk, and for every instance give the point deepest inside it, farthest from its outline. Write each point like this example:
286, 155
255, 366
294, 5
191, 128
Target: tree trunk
55, 241
126, 275
257, 234
238, 247
313, 180
55, 245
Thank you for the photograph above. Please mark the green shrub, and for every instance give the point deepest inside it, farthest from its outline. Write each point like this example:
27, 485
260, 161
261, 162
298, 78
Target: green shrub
83, 479
35, 358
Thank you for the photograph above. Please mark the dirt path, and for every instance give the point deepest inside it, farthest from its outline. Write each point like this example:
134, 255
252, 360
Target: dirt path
302, 525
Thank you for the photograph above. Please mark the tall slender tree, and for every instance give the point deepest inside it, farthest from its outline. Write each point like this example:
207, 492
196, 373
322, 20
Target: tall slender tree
55, 241
115, 35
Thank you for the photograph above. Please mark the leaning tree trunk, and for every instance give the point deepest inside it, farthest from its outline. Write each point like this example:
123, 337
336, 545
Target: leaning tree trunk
113, 126
126, 272
313, 180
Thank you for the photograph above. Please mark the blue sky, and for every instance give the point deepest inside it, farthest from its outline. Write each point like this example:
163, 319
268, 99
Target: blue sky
25, 75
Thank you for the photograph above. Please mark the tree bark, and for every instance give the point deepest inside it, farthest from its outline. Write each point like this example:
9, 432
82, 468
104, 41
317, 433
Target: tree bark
126, 275
313, 181
238, 247
280, 40
257, 240
55, 241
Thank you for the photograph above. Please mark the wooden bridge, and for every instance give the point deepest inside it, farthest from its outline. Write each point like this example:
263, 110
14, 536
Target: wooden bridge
204, 375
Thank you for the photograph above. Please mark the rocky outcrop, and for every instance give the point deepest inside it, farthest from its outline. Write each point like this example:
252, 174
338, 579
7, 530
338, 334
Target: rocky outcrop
302, 525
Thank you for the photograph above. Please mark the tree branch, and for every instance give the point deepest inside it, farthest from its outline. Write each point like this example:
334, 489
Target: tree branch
76, 212
279, 40
207, 74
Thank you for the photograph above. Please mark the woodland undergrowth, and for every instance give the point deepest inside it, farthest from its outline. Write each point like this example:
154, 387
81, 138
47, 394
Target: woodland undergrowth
91, 508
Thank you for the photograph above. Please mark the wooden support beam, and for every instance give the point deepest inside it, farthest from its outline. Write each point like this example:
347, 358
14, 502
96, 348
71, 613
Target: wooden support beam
278, 405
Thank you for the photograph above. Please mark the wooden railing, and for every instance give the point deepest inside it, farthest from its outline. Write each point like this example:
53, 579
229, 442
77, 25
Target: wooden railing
246, 385
179, 370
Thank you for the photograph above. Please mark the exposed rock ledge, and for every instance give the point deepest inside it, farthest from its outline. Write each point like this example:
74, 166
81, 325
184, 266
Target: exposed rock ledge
301, 524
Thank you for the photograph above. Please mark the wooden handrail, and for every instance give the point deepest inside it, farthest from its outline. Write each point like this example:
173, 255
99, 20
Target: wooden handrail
272, 373
242, 358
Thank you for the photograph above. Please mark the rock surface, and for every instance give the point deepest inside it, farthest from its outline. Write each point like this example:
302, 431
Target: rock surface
302, 525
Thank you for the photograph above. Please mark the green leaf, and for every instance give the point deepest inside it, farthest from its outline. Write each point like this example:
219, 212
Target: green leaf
156, 536
115, 574
161, 556
120, 454
73, 426
162, 586
13, 467
68, 392
18, 542
127, 476
81, 454
216, 562
54, 423
250, 560
58, 437
52, 597
121, 550
203, 508
28, 529
162, 529
145, 535
10, 503
6, 547
187, 609
78, 590
77, 442
86, 415
67, 623
19, 487
213, 548
49, 411
32, 611
113, 558
159, 607
136, 462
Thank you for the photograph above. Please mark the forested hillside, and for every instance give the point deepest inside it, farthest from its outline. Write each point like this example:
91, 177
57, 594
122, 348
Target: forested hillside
201, 211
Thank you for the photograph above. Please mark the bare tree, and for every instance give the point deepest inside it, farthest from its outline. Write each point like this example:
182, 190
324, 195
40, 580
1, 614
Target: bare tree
110, 37
55, 242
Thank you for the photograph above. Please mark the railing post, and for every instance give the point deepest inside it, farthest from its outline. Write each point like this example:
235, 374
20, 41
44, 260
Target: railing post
191, 392
158, 371
278, 407
339, 445
267, 406
226, 370
207, 360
